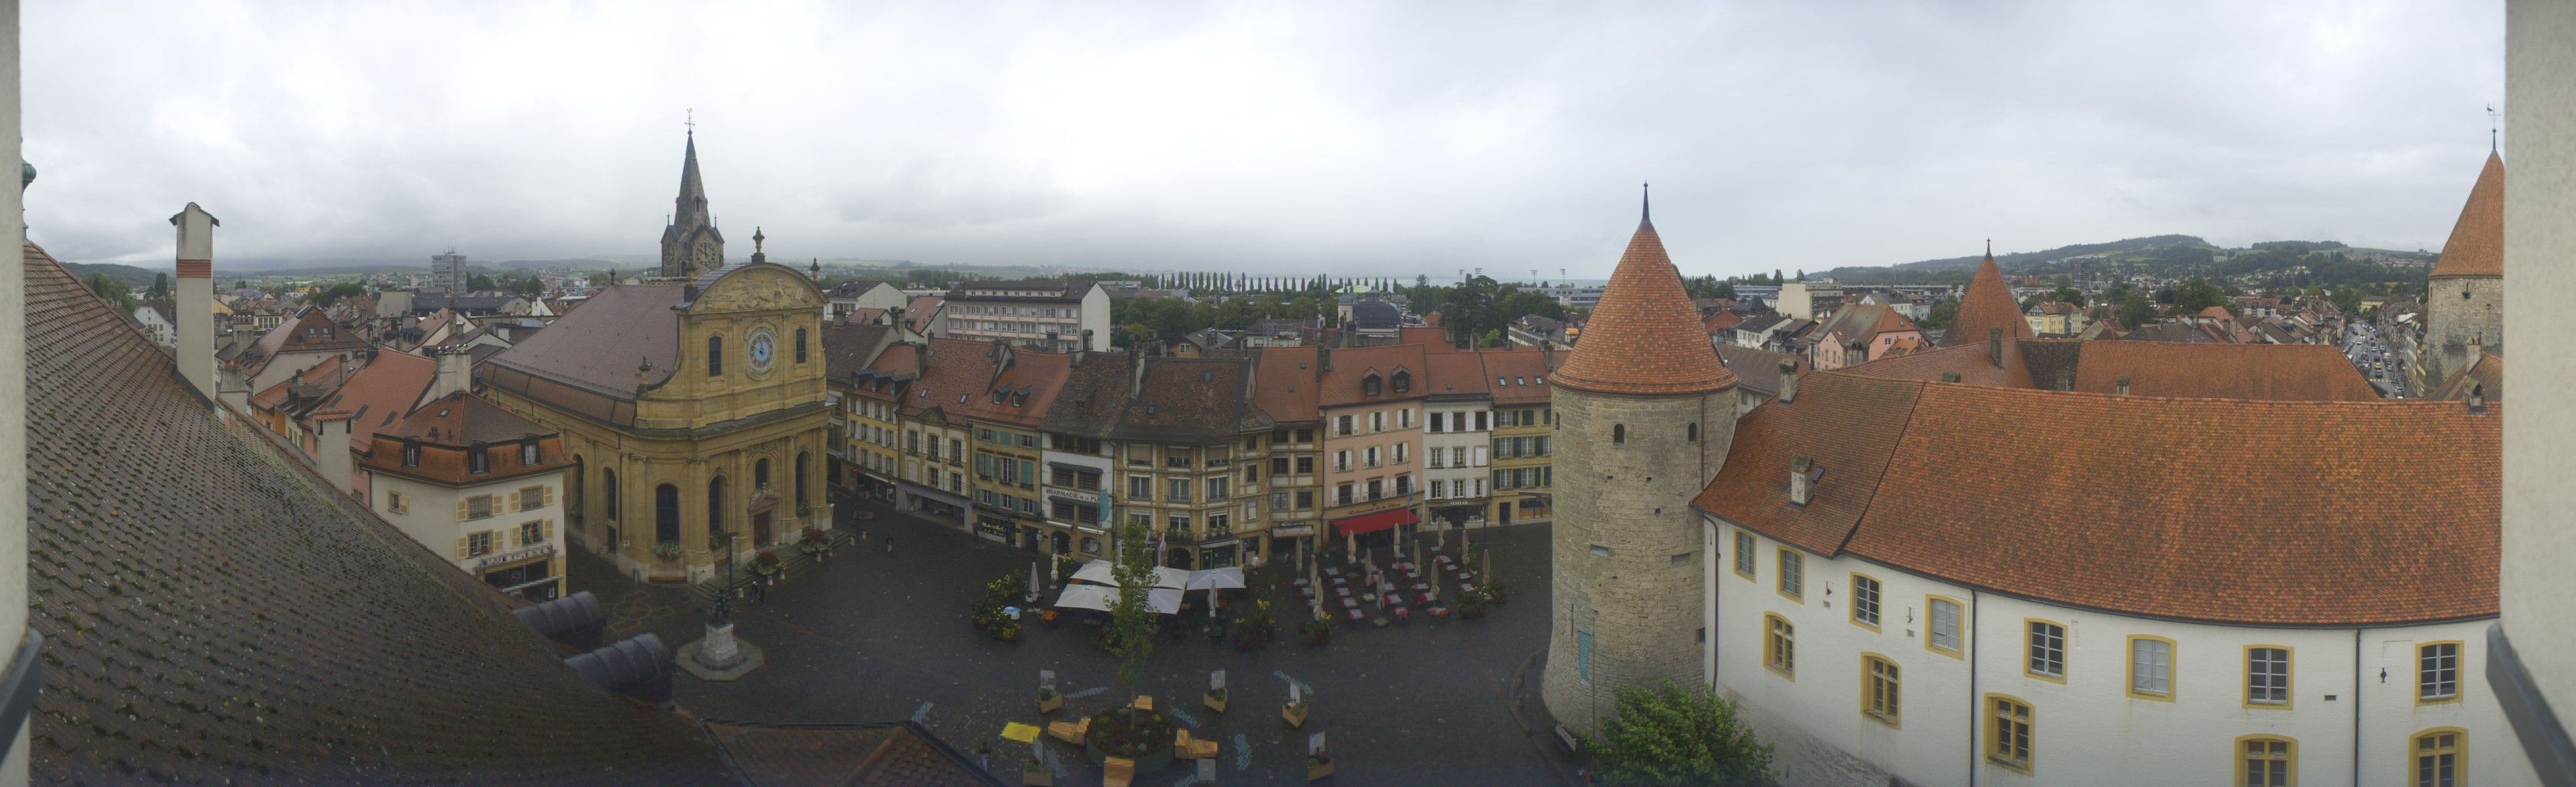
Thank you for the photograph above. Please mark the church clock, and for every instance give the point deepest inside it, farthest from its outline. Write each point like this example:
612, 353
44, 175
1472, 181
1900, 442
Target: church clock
706, 258
764, 347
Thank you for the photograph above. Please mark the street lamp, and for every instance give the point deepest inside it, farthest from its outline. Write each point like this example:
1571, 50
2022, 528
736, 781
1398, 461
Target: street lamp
721, 613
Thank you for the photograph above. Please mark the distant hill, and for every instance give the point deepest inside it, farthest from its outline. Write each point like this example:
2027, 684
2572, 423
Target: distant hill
137, 278
2164, 256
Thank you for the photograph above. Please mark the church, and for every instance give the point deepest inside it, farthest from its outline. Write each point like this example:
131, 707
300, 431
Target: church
692, 404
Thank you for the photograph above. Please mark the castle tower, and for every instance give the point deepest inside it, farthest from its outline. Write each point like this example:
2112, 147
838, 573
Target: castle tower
2464, 295
691, 245
1644, 415
1987, 304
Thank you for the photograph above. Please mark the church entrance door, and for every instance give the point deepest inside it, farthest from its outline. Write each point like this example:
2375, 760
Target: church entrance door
760, 529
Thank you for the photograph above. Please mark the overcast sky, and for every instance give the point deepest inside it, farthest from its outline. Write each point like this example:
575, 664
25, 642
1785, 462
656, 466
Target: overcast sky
1359, 137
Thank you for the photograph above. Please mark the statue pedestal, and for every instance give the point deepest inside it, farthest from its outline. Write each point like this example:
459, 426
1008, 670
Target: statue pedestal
719, 656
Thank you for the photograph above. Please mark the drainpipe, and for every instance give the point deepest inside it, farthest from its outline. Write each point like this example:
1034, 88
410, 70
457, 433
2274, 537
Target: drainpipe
1976, 703
2356, 707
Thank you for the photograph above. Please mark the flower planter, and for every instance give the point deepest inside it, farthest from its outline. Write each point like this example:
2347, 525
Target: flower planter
1049, 703
1037, 777
1214, 700
1318, 768
1156, 757
1295, 714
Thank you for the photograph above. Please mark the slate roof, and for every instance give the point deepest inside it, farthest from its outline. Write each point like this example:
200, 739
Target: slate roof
849, 347
2485, 377
213, 613
308, 331
853, 288
2265, 372
1988, 303
1757, 370
2265, 536
587, 360
1376, 314
1644, 337
2476, 247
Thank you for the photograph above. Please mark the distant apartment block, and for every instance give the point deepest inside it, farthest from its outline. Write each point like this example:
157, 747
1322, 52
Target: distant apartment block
1049, 315
447, 272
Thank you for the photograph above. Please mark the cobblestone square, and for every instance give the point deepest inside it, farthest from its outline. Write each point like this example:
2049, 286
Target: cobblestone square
875, 635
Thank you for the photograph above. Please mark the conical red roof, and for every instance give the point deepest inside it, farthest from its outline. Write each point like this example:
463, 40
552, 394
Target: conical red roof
2476, 247
1988, 303
1645, 337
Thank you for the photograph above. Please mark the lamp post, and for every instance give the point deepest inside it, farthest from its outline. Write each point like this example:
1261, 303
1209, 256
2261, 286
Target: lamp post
720, 615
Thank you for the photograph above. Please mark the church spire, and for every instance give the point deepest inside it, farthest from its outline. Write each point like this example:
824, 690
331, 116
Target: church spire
691, 245
1645, 207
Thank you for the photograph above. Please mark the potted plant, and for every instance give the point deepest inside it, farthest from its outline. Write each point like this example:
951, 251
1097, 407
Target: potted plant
1252, 631
667, 550
1009, 631
1295, 712
1471, 606
1318, 766
1035, 774
1215, 700
1493, 592
766, 565
1316, 633
1049, 700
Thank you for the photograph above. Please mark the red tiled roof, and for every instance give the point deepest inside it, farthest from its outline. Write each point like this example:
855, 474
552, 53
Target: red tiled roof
1645, 336
1456, 373
2262, 536
960, 376
1987, 304
1284, 384
1520, 374
379, 394
460, 420
1341, 384
2265, 372
2476, 247
1722, 321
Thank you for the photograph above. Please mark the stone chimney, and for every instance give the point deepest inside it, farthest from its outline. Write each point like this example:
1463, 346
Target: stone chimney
2124, 386
2478, 399
455, 373
1798, 479
1995, 347
1083, 350
332, 456
1788, 380
194, 308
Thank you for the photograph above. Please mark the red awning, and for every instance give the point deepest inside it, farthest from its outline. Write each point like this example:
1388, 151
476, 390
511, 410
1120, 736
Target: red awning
1371, 523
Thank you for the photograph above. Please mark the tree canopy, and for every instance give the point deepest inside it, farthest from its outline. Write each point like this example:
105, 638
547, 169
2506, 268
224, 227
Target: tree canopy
1673, 735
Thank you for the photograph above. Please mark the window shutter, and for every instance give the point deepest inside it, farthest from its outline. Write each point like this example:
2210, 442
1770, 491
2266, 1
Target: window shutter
546, 532
461, 508
514, 501
464, 547
1480, 456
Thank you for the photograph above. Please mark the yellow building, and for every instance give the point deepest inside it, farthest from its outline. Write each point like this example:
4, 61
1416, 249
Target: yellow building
690, 408
1524, 437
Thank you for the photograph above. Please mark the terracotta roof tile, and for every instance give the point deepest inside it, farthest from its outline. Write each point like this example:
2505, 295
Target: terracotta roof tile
1758, 370
1342, 383
598, 347
2476, 247
380, 393
1519, 375
1988, 303
2268, 372
1644, 337
2262, 536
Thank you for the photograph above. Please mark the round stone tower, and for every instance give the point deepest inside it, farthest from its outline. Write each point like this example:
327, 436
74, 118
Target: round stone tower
2464, 293
1644, 415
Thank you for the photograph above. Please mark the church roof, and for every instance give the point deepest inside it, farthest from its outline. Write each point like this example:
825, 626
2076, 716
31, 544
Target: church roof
1987, 304
586, 361
215, 613
2476, 247
1644, 337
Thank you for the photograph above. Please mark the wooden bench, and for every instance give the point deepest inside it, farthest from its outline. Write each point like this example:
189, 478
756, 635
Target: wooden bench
1184, 747
1566, 736
1117, 772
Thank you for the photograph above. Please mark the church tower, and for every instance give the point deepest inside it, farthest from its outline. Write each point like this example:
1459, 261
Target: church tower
2464, 294
1645, 413
691, 245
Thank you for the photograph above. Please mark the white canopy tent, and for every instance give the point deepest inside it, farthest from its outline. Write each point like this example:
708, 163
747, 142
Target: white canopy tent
1213, 578
1164, 600
1099, 571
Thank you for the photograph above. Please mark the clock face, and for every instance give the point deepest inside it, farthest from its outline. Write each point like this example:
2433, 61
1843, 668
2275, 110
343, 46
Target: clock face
706, 255
763, 348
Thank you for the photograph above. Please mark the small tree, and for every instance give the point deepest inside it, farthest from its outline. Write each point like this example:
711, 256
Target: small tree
1678, 735
1132, 619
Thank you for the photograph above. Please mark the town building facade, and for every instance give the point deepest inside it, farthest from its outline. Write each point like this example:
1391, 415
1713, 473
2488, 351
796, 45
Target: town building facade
1055, 316
464, 477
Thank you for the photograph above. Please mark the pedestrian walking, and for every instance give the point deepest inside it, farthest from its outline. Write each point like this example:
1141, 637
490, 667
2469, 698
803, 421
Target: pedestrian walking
889, 544
760, 593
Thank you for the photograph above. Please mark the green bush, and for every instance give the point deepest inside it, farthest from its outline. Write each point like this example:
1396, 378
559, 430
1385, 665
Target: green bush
1675, 734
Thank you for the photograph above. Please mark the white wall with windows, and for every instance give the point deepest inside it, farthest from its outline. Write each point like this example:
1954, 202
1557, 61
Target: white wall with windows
483, 528
1457, 451
2131, 699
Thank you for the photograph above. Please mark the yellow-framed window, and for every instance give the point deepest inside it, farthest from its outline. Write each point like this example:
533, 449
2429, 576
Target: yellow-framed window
2151, 667
2045, 643
2266, 761
1867, 597
1793, 574
2009, 732
1881, 690
2437, 672
1780, 646
1946, 630
2267, 676
2440, 757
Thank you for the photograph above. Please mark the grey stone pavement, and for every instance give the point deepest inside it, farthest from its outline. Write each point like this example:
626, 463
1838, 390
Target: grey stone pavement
873, 635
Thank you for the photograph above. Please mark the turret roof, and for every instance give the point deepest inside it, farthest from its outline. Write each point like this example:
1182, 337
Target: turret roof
1987, 304
2476, 247
1645, 336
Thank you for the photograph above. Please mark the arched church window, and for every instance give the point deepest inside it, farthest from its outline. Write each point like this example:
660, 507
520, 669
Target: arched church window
715, 356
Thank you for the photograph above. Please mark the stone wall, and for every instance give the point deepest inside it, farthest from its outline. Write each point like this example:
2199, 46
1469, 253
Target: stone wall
1626, 548
2457, 328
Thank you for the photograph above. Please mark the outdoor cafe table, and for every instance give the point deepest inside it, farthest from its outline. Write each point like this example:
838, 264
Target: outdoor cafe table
1338, 582
1355, 615
1347, 603
1429, 598
1332, 571
1439, 612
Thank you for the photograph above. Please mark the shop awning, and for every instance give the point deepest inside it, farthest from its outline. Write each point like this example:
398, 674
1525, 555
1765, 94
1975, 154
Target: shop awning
1371, 523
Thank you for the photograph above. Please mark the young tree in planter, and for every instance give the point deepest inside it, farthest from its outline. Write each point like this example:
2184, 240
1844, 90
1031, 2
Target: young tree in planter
1132, 618
1678, 735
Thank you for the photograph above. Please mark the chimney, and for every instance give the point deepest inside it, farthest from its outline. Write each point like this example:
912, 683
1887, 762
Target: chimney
455, 373
1949, 377
1083, 350
1995, 346
1798, 489
195, 307
2065, 379
2124, 386
332, 456
2478, 399
1788, 380
1324, 358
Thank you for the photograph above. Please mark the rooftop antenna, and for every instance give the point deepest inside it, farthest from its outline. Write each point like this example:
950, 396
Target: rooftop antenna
692, 122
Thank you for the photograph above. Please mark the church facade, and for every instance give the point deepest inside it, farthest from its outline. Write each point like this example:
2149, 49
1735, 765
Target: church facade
692, 406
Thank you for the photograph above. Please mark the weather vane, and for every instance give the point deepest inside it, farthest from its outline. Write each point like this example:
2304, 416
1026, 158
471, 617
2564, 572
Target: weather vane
2492, 125
692, 122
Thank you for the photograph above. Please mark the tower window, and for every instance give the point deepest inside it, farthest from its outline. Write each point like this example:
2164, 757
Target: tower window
1693, 432
1618, 434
